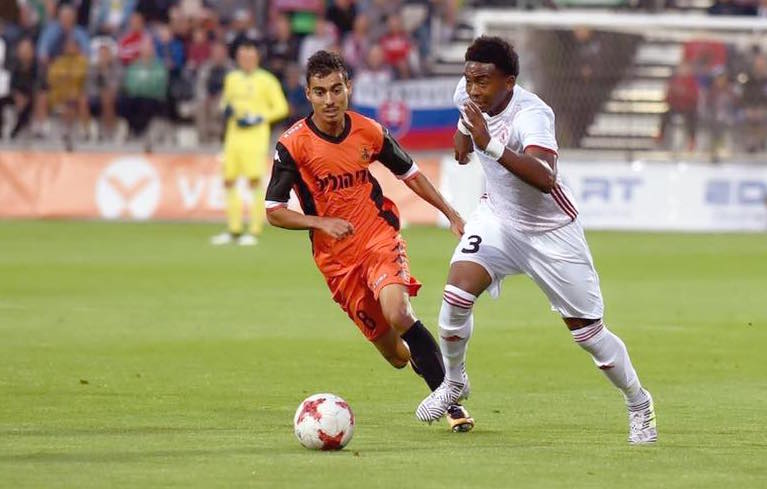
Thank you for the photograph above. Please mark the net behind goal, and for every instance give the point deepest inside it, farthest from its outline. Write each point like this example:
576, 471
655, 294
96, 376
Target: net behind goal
633, 82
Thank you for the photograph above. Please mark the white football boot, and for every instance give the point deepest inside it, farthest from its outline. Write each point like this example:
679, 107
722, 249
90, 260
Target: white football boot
642, 423
447, 394
247, 240
222, 239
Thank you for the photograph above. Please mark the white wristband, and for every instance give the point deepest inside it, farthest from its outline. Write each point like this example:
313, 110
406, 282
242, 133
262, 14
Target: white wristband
462, 127
494, 149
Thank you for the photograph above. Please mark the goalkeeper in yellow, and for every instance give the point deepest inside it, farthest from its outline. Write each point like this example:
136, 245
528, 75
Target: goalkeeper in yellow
252, 100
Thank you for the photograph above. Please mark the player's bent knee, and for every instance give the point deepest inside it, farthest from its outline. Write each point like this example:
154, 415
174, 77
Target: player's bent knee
578, 323
399, 316
470, 277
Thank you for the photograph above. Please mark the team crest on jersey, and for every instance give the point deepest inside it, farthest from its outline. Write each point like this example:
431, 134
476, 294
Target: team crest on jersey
396, 116
503, 133
365, 154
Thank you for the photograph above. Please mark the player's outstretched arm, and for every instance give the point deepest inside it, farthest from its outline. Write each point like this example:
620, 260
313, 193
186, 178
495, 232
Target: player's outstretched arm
535, 166
422, 187
285, 218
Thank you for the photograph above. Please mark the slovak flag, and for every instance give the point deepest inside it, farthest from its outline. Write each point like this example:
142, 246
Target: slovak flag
419, 113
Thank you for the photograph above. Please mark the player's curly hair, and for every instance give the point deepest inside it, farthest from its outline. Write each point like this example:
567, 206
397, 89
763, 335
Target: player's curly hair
493, 49
323, 63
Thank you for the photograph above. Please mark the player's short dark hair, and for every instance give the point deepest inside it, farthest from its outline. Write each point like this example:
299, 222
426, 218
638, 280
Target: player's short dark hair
323, 63
493, 49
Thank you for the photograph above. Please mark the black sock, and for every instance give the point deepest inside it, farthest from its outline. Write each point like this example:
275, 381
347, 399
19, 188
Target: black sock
425, 354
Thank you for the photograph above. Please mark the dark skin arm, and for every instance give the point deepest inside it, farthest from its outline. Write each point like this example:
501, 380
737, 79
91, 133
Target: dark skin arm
535, 166
463, 146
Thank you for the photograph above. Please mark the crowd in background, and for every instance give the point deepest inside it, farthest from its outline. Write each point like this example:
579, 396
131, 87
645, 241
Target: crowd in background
102, 70
719, 88
88, 64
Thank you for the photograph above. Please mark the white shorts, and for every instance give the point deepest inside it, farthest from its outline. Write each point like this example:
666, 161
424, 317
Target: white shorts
559, 261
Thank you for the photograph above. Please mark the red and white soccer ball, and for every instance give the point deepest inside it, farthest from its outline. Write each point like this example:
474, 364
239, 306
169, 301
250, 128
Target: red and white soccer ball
324, 422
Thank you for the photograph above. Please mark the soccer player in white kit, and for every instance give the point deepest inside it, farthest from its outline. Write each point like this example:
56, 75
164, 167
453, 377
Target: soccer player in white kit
526, 222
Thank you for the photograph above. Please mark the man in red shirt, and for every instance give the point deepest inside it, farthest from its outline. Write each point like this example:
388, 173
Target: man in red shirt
397, 46
129, 46
682, 98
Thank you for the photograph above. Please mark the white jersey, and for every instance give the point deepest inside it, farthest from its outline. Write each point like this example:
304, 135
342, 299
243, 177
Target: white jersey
526, 121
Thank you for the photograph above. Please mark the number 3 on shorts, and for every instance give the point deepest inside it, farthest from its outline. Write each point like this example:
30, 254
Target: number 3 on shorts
474, 242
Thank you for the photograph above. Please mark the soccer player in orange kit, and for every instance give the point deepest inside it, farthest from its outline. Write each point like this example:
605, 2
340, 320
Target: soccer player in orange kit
353, 227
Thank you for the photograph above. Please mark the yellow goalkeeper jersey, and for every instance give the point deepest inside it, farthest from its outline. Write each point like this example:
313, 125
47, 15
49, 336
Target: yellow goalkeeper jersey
256, 94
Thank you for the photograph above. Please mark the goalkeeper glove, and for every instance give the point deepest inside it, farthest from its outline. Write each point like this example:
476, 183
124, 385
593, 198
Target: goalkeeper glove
249, 121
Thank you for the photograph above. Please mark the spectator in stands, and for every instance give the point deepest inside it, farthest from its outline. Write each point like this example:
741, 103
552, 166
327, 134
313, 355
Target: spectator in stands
170, 49
295, 92
761, 9
379, 11
682, 99
357, 44
192, 9
110, 17
129, 47
82, 10
398, 48
52, 39
32, 16
199, 49
155, 11
227, 9
67, 77
10, 33
282, 48
180, 24
342, 14
145, 86
754, 105
243, 28
324, 37
376, 70
585, 80
719, 111
104, 80
210, 84
25, 83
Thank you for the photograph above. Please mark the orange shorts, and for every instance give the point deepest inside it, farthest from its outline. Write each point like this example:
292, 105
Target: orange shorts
357, 291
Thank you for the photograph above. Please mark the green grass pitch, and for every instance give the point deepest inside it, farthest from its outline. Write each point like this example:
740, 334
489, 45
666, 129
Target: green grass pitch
136, 355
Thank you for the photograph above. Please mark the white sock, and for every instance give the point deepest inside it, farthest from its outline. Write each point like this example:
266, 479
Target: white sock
610, 355
456, 323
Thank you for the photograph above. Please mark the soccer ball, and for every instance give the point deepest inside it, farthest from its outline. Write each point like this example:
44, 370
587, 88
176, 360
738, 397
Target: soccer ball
324, 422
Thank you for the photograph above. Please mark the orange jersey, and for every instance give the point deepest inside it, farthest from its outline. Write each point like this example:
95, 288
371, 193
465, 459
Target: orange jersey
331, 177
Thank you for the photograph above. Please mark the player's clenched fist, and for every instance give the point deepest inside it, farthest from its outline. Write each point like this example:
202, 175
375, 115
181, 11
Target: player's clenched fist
463, 147
337, 228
